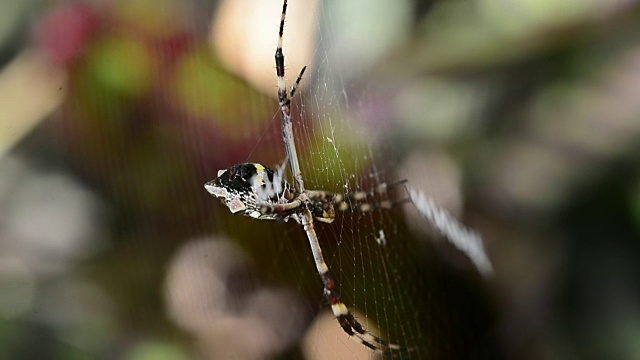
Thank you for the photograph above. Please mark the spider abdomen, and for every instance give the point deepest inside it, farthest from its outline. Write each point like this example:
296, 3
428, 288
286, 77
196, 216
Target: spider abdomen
248, 188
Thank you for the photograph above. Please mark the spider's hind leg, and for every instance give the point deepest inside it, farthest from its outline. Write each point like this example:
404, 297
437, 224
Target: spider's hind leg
384, 187
354, 329
365, 201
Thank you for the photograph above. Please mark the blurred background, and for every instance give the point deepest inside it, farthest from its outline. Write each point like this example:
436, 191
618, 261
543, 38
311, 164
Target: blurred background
520, 117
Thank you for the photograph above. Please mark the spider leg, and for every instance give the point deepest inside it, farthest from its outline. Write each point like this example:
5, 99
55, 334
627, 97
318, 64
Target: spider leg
385, 204
350, 325
285, 110
381, 189
357, 196
282, 210
384, 187
295, 85
282, 91
365, 201
345, 318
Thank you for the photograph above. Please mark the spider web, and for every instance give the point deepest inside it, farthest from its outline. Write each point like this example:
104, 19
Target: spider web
388, 276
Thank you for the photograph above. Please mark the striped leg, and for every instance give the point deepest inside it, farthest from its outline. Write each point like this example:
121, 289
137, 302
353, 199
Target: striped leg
285, 109
364, 201
295, 85
346, 319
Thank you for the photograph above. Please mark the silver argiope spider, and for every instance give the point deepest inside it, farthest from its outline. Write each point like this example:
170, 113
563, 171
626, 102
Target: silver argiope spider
259, 192
254, 190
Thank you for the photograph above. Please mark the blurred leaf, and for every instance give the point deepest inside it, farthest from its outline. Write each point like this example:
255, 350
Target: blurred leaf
156, 350
121, 65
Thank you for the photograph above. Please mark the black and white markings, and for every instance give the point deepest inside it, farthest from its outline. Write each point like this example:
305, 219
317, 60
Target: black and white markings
245, 188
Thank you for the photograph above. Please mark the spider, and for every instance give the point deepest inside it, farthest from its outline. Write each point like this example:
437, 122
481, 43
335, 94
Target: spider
254, 190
